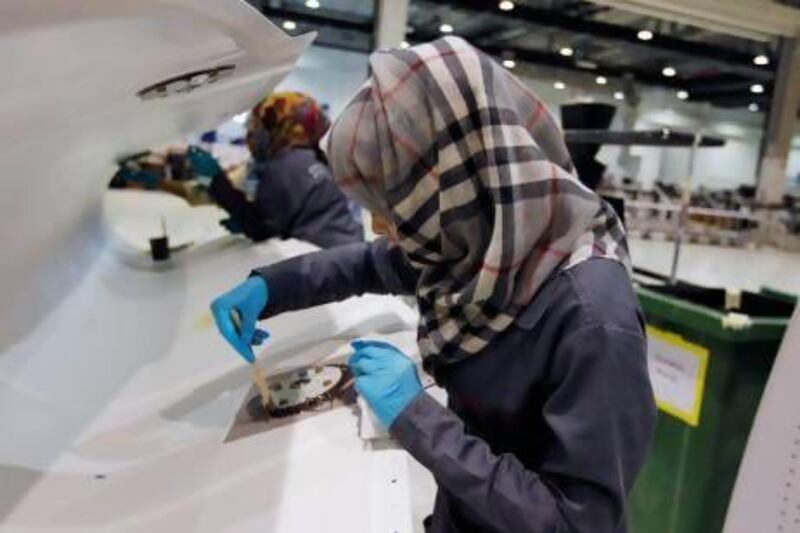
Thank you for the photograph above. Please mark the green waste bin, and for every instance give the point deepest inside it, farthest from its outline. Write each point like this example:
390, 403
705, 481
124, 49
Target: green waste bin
710, 352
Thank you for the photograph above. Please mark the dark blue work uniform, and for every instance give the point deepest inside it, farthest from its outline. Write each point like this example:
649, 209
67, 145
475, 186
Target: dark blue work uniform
294, 198
546, 428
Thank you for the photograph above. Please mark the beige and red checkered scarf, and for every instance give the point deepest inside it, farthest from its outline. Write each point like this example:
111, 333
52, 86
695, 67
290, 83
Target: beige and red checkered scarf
473, 171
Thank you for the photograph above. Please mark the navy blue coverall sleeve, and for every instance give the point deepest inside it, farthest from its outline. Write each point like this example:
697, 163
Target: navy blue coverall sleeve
336, 274
596, 439
295, 198
246, 214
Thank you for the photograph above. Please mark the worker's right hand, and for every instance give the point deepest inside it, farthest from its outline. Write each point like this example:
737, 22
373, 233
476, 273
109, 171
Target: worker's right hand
248, 300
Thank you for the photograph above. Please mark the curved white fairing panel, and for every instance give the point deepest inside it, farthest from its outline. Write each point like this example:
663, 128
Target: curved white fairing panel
116, 393
69, 108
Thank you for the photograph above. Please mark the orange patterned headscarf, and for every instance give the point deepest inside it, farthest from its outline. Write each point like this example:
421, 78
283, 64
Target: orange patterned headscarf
286, 120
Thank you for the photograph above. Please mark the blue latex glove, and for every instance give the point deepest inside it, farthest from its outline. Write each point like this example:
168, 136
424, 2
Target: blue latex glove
204, 165
243, 304
142, 177
385, 377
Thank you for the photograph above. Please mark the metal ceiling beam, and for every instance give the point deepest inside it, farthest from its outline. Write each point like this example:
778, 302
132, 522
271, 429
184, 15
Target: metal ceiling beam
555, 60
739, 97
737, 100
320, 19
750, 19
549, 59
724, 58
714, 88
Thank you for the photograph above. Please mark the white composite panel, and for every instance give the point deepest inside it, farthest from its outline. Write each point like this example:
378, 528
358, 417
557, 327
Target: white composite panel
69, 108
767, 493
115, 390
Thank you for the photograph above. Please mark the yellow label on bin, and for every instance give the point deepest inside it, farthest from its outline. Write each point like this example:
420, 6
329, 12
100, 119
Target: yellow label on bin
678, 374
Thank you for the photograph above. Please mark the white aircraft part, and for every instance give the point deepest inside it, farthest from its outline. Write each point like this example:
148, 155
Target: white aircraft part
69, 109
116, 392
766, 496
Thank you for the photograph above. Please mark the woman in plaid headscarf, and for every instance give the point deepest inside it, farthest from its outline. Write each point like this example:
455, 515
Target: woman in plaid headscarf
527, 315
288, 190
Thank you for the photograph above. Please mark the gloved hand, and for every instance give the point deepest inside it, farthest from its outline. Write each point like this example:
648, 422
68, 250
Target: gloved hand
204, 165
247, 300
385, 377
142, 177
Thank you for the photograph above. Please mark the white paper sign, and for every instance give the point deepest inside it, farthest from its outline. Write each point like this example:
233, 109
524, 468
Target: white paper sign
677, 372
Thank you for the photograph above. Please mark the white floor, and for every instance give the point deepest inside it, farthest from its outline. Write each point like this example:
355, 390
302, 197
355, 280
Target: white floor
718, 266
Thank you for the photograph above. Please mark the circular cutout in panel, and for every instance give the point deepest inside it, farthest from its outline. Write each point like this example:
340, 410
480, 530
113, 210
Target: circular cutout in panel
185, 83
301, 389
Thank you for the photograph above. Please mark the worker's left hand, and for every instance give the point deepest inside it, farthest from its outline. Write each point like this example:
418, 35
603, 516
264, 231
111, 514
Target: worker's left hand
385, 377
204, 165
142, 177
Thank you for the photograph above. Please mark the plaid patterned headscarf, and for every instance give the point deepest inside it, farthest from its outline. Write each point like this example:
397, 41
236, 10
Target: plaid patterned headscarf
474, 172
289, 119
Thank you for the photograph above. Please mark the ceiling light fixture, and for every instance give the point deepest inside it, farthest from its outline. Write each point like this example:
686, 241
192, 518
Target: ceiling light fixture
566, 51
756, 88
509, 63
619, 95
560, 85
669, 72
289, 25
761, 60
601, 80
645, 35
312, 4
753, 107
446, 28
505, 5
682, 95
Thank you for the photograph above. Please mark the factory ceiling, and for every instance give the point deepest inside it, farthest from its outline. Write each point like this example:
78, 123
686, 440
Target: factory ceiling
572, 35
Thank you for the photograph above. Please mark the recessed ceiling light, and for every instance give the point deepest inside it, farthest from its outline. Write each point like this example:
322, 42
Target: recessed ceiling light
683, 95
509, 63
757, 88
505, 5
560, 85
312, 4
446, 28
566, 51
404, 45
619, 95
644, 35
761, 60
601, 80
753, 107
289, 25
669, 72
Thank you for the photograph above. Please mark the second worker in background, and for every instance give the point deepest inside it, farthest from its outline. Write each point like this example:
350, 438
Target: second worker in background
288, 191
